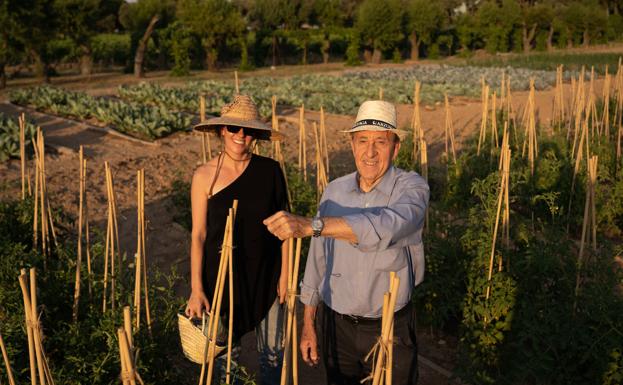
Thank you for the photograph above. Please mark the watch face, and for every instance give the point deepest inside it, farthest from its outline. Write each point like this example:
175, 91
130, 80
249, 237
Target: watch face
316, 224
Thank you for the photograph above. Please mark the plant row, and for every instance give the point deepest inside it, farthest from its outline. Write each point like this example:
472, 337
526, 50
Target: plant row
135, 119
9, 137
338, 94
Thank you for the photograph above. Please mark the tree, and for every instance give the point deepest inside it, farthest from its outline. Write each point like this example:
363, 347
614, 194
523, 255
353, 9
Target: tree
80, 20
10, 46
497, 23
329, 16
214, 22
424, 18
140, 18
379, 23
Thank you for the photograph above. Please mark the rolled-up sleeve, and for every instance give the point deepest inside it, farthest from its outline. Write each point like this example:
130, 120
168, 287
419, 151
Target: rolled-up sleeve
314, 273
397, 224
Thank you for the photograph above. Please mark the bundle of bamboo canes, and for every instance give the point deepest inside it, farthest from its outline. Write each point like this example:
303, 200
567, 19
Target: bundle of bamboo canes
416, 121
383, 349
129, 374
42, 211
604, 128
140, 256
323, 140
276, 145
302, 143
111, 250
505, 158
558, 110
38, 361
83, 222
206, 147
225, 272
291, 336
7, 363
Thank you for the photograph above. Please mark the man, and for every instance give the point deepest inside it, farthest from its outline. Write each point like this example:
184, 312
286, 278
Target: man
369, 224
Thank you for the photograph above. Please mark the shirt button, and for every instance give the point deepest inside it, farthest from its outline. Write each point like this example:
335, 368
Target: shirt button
367, 204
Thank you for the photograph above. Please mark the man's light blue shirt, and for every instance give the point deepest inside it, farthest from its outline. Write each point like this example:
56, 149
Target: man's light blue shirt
388, 221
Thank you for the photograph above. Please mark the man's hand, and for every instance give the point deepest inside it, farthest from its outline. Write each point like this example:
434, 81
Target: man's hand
309, 344
285, 225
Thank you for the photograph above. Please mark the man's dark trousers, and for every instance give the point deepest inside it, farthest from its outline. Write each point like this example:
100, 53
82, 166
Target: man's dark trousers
345, 342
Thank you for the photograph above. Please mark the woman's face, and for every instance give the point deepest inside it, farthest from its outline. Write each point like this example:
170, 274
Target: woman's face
236, 139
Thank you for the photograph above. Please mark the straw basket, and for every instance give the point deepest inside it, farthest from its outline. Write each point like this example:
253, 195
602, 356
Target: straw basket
194, 339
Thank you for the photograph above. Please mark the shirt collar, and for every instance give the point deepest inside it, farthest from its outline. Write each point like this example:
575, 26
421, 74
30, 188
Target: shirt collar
385, 185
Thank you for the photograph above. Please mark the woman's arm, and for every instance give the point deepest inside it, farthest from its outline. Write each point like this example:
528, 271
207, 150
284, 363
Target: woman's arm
198, 302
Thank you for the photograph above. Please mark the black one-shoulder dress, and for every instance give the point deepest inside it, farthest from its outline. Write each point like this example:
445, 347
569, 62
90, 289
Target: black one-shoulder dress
261, 192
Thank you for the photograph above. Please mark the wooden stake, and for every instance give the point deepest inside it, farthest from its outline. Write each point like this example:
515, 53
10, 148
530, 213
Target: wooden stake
321, 176
416, 121
141, 259
236, 82
112, 241
449, 131
291, 342
7, 364
483, 121
22, 151
424, 169
79, 253
323, 140
206, 148
302, 143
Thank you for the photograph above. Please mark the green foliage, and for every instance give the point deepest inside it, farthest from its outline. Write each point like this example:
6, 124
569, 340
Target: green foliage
111, 48
424, 19
379, 23
87, 351
146, 122
9, 137
352, 52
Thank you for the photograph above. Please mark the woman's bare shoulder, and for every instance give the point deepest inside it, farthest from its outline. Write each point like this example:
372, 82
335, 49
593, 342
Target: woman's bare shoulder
205, 172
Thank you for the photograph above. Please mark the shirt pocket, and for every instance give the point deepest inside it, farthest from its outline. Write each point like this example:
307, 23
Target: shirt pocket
390, 260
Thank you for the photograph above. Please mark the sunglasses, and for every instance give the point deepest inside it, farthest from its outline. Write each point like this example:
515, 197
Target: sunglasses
245, 131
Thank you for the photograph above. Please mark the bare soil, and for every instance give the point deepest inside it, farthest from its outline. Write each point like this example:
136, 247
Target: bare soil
176, 156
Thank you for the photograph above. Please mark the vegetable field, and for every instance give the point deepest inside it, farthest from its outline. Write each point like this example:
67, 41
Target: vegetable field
523, 238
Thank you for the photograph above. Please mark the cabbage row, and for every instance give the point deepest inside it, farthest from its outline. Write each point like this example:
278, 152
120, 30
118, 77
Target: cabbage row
338, 94
139, 120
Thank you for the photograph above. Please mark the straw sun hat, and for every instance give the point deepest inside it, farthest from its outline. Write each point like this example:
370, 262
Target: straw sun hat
241, 112
377, 115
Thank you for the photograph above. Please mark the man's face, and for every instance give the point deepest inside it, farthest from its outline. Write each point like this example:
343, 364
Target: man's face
373, 152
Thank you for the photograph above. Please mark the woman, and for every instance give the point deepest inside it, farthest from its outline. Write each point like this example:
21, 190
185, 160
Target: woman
259, 258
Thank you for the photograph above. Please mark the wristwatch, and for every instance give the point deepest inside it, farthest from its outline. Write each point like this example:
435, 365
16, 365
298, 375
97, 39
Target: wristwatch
317, 225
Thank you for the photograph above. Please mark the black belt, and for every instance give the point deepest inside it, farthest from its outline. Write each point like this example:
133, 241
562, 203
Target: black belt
356, 319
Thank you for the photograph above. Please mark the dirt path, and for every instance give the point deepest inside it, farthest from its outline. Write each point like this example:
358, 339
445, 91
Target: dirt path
176, 156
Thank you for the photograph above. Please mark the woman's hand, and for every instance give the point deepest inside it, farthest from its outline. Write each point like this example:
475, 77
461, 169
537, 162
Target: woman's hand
197, 304
282, 287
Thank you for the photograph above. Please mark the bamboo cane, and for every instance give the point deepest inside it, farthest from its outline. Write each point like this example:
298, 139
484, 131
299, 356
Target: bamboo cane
302, 144
501, 198
290, 338
483, 122
236, 82
29, 327
588, 222
323, 140
7, 364
605, 116
424, 169
226, 253
494, 122
144, 254
22, 151
416, 122
321, 176
127, 325
87, 240
449, 131
79, 253
129, 375
381, 356
380, 93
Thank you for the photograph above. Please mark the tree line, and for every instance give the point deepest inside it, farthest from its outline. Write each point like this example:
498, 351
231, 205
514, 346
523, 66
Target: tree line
184, 34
